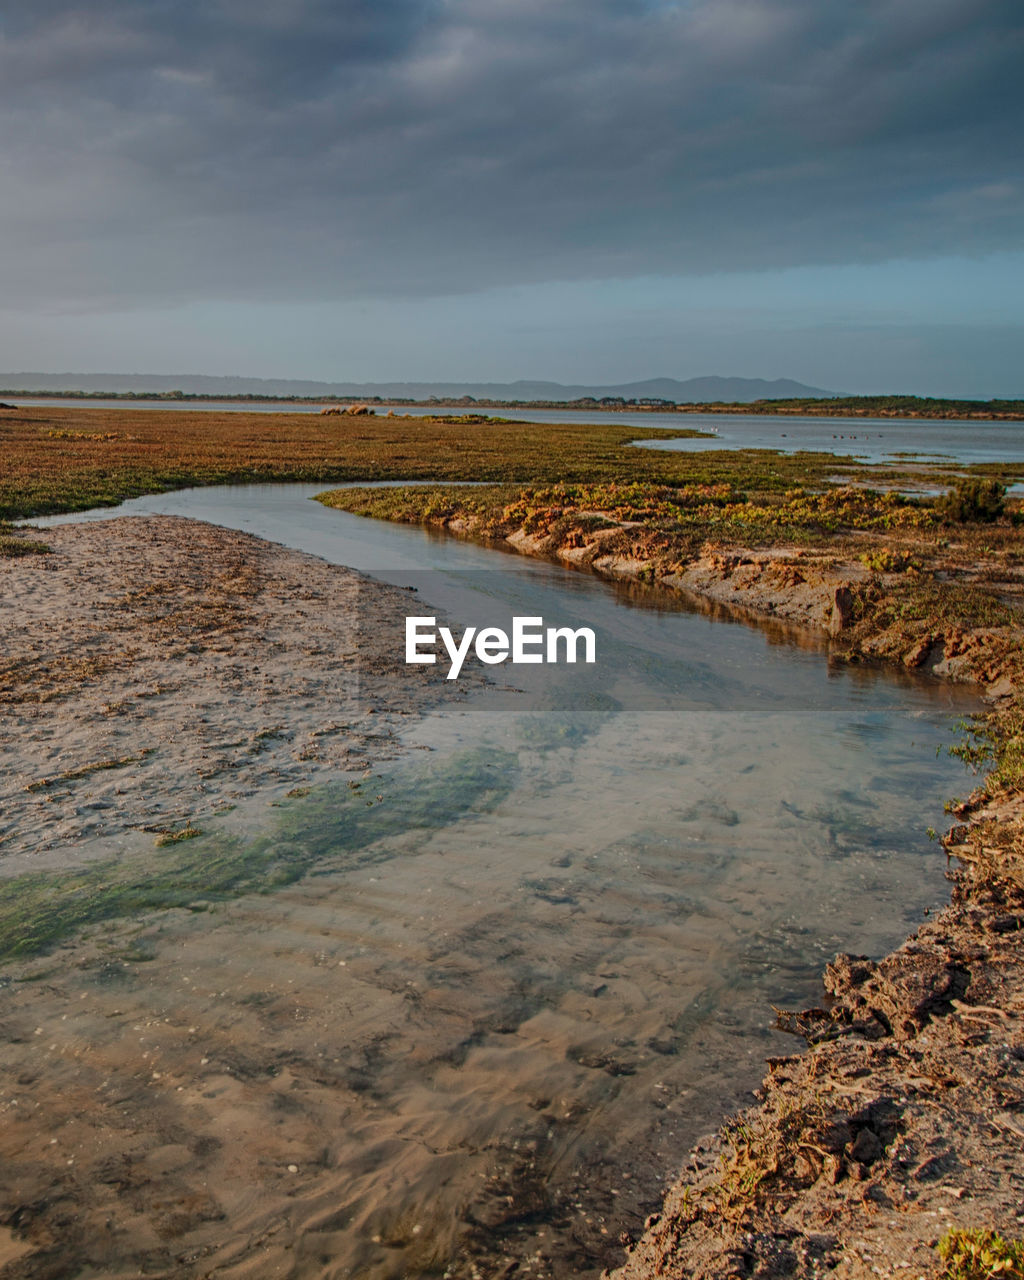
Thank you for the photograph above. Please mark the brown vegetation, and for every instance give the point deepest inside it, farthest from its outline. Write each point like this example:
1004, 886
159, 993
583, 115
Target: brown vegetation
69, 458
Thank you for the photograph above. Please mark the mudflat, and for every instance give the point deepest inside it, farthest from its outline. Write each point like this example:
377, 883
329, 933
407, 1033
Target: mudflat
154, 672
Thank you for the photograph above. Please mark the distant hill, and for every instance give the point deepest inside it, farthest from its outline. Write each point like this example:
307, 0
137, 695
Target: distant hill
690, 391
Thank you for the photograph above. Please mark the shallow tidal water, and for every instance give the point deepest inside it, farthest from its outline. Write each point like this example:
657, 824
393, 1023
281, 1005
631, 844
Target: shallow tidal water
479, 1035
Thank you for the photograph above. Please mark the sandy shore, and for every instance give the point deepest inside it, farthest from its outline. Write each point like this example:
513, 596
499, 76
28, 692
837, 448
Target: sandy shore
154, 672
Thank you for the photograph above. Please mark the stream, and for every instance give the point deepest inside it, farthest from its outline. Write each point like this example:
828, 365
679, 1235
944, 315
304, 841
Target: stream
508, 1017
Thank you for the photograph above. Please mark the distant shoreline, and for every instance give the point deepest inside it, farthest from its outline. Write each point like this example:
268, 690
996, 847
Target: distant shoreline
822, 407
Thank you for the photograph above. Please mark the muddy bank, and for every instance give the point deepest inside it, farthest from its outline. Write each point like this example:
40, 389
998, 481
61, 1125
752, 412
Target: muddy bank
904, 1119
156, 672
874, 599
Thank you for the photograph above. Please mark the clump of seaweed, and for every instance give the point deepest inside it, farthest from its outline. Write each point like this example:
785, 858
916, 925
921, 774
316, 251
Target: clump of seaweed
187, 832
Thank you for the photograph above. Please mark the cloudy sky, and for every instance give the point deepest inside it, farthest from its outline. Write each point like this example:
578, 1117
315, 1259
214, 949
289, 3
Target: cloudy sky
583, 190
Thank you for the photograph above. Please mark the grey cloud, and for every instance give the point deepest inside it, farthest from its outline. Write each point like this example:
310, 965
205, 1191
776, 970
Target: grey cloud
159, 150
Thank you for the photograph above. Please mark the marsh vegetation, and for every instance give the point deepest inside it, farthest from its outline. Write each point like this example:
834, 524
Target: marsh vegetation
58, 458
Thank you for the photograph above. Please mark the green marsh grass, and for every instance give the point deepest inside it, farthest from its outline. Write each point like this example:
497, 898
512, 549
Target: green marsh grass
12, 544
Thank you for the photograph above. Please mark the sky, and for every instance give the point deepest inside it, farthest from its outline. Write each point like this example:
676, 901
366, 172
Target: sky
591, 191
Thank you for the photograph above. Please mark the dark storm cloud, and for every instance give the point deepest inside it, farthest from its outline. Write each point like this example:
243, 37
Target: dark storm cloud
162, 149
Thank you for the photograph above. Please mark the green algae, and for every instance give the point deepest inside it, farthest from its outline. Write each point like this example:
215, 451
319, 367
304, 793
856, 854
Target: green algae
336, 827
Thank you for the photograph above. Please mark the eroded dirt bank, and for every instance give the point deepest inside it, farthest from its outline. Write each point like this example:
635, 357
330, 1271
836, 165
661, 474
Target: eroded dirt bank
904, 1119
813, 588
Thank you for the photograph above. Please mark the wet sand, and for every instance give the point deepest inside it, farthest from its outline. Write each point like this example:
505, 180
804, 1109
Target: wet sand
155, 672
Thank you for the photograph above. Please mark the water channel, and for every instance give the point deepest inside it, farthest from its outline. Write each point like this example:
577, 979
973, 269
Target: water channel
518, 1013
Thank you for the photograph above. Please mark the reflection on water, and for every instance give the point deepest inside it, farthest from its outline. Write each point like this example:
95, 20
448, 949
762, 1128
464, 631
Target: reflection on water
527, 965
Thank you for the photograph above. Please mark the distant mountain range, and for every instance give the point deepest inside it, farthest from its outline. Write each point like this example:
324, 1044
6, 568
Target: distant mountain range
690, 391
